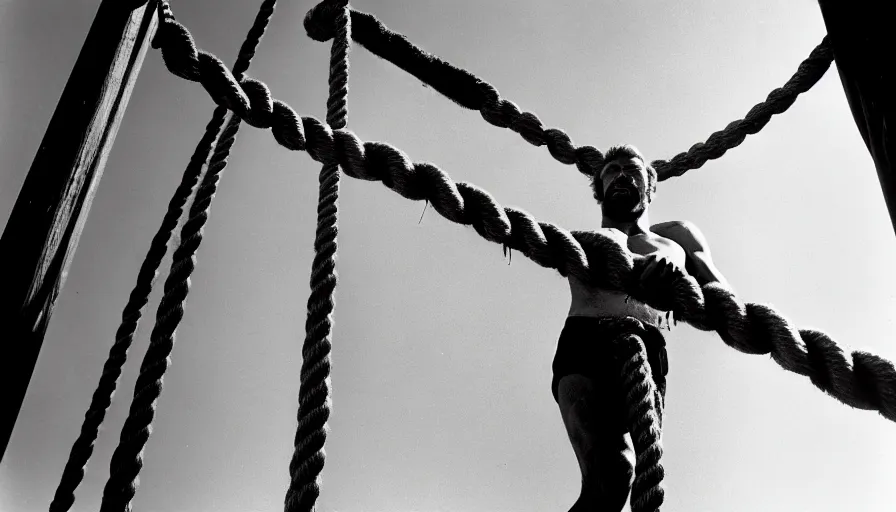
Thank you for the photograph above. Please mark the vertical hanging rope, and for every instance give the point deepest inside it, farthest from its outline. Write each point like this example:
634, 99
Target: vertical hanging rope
314, 391
644, 416
128, 459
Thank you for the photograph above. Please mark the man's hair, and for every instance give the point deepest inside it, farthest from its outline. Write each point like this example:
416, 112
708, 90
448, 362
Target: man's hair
615, 153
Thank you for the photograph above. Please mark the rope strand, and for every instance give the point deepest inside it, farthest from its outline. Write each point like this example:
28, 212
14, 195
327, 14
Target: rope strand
864, 381
309, 456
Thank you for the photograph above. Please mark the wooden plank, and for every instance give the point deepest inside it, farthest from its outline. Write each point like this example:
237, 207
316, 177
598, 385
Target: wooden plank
42, 231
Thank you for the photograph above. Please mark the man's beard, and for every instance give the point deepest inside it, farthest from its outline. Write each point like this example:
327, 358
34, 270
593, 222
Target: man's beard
623, 207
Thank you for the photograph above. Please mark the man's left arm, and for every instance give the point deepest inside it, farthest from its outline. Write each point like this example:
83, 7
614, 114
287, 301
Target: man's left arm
699, 260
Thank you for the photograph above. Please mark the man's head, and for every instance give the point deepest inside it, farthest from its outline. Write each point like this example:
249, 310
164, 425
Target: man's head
625, 185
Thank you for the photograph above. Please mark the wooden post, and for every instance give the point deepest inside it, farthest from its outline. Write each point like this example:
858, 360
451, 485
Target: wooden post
861, 33
46, 222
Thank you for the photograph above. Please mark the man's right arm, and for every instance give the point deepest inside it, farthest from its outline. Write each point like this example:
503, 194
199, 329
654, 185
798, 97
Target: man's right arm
699, 260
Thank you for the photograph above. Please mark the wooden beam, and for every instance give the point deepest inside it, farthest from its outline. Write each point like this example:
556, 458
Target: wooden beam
861, 33
43, 229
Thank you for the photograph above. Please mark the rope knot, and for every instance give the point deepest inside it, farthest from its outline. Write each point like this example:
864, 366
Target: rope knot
261, 104
320, 20
179, 50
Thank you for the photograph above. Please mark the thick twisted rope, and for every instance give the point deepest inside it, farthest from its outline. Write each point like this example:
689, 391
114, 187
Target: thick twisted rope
314, 392
778, 101
127, 459
864, 381
644, 415
471, 92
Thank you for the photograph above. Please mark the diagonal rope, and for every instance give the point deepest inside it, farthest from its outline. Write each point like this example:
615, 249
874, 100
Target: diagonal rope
82, 449
471, 92
864, 381
778, 101
127, 459
308, 458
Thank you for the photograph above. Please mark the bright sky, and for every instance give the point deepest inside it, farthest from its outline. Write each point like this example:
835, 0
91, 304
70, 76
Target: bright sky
442, 352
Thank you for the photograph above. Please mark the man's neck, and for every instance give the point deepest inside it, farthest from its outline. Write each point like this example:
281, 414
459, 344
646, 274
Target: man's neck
631, 228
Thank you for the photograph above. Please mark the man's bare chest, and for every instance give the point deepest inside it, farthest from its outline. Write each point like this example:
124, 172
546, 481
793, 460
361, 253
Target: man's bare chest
649, 244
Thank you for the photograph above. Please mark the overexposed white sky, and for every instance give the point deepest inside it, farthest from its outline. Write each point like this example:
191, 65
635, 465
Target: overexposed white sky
442, 352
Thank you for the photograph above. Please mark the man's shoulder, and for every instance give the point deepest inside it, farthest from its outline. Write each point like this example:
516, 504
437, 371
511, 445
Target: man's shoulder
673, 225
683, 232
592, 234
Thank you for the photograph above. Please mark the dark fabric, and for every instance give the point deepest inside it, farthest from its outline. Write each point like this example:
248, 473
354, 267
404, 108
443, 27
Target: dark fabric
863, 36
587, 346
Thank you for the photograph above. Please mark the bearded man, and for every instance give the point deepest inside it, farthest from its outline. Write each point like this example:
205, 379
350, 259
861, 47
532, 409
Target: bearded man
587, 375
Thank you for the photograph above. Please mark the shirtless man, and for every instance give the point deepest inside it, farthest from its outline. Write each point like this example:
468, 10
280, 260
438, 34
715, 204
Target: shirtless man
587, 378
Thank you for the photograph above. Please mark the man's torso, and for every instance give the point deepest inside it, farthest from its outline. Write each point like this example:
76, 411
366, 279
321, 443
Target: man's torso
597, 302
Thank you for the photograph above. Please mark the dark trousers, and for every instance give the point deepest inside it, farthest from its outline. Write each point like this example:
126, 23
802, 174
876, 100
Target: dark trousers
587, 347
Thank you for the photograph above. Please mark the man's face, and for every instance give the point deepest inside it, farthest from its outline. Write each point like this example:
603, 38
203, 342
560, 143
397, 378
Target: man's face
625, 186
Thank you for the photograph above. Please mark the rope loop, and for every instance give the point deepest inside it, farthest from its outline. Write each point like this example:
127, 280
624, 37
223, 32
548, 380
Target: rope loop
320, 21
